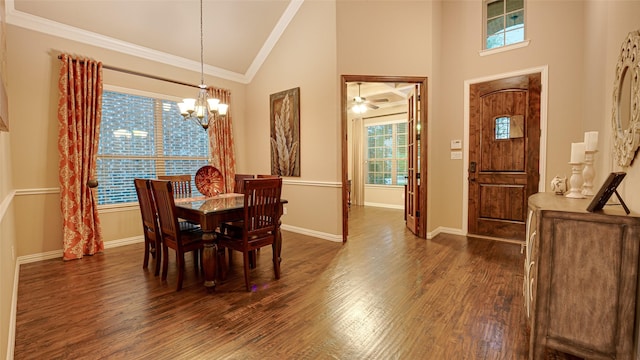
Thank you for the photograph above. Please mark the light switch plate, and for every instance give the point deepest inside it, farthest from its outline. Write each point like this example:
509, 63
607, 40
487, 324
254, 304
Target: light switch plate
456, 144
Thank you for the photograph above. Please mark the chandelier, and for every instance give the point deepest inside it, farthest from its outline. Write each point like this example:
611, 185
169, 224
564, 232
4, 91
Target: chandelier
202, 109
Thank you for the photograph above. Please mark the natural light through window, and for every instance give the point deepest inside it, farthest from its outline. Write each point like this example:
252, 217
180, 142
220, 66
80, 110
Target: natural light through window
144, 137
386, 154
504, 23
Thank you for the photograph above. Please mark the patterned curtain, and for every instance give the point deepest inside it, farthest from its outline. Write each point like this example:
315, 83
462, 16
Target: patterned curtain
79, 114
357, 175
221, 144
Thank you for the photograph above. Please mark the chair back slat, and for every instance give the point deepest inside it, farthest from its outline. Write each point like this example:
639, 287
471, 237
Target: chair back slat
165, 203
181, 184
261, 206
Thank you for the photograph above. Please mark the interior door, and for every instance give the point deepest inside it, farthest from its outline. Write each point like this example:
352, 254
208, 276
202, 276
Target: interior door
412, 193
504, 148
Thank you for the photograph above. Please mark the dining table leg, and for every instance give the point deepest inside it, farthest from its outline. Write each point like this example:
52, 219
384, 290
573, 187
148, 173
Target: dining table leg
277, 251
209, 253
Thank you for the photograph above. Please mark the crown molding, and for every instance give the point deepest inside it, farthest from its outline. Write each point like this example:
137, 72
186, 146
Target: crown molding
270, 43
39, 24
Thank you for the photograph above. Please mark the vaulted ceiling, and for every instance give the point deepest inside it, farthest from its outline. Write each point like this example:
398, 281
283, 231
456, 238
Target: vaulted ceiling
238, 34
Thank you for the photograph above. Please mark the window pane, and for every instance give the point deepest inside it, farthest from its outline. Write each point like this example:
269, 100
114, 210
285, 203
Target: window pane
401, 152
181, 137
387, 165
385, 145
514, 36
495, 8
402, 166
115, 177
371, 141
502, 128
132, 132
129, 147
402, 140
514, 5
495, 26
495, 41
515, 19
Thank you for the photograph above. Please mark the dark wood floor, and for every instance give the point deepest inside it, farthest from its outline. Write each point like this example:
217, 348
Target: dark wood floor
384, 295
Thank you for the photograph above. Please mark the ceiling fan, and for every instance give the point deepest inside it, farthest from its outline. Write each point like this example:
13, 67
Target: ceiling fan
360, 104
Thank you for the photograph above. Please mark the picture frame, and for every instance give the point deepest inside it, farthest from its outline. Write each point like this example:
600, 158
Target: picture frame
285, 132
607, 189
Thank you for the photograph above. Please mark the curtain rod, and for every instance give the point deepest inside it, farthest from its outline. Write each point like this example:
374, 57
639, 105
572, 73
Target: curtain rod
131, 72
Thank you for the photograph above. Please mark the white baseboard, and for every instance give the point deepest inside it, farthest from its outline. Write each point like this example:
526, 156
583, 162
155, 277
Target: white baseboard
444, 230
123, 242
11, 337
317, 234
387, 206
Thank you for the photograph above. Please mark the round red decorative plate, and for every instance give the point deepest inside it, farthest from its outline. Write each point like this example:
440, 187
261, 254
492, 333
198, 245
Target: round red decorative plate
209, 181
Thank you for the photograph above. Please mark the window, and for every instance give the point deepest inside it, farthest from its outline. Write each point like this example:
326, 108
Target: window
387, 154
504, 20
144, 137
503, 125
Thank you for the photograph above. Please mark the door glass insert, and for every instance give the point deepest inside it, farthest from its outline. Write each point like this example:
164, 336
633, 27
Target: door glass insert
509, 127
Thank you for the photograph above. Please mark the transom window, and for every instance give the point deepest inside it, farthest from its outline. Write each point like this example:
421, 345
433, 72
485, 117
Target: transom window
387, 154
143, 137
504, 22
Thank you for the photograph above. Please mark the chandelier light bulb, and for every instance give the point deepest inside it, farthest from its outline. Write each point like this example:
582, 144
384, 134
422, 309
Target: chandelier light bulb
222, 109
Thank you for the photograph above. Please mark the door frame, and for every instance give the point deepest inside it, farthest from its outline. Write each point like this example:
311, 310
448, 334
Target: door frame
544, 77
344, 79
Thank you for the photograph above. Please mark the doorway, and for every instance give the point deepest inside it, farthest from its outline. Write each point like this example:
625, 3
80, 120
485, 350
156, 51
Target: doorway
400, 84
504, 153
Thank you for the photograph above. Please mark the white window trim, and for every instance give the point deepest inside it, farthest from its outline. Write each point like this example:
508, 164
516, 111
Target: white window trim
510, 47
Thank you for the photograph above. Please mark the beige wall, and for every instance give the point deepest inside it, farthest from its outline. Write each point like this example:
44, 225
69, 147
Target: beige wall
398, 41
7, 228
304, 57
616, 20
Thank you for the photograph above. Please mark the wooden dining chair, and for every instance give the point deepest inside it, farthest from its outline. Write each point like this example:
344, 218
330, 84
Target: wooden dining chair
151, 232
238, 186
176, 235
181, 184
260, 223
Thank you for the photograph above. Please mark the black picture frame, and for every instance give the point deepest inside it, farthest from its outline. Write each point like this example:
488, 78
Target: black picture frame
607, 189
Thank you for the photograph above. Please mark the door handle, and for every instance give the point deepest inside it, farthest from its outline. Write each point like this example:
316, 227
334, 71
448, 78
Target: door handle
472, 171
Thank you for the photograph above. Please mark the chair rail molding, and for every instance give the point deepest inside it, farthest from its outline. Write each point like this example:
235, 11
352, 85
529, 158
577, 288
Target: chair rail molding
5, 203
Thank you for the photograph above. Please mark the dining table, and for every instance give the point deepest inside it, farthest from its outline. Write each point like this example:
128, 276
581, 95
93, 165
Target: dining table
210, 212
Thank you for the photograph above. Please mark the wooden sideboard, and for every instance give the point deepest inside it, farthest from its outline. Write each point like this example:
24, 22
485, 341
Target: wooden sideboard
581, 279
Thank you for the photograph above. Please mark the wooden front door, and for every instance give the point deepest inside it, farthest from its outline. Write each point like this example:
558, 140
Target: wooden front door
412, 200
504, 148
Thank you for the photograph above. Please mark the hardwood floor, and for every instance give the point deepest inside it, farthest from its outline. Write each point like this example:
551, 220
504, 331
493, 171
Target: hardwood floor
384, 295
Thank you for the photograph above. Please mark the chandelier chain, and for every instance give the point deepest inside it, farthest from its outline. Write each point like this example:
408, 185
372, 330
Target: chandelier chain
201, 48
